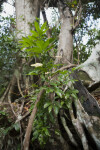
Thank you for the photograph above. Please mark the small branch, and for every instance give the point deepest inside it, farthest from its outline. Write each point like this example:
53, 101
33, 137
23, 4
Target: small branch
77, 8
5, 93
68, 66
21, 108
9, 100
13, 81
62, 68
22, 117
78, 14
30, 123
19, 88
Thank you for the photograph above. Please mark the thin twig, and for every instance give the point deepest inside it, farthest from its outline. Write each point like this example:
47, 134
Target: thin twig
79, 19
9, 100
22, 117
76, 10
68, 66
19, 88
21, 108
5, 93
77, 14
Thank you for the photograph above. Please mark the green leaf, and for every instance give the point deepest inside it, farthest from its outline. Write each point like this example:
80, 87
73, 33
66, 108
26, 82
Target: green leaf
2, 112
74, 95
74, 68
44, 26
37, 26
67, 95
62, 103
35, 135
56, 109
53, 83
47, 104
49, 90
59, 93
68, 103
57, 132
58, 104
35, 34
35, 49
50, 108
47, 132
75, 2
34, 85
46, 44
17, 126
34, 98
75, 91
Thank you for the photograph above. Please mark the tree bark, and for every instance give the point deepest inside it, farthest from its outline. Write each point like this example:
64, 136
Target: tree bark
26, 13
92, 64
65, 45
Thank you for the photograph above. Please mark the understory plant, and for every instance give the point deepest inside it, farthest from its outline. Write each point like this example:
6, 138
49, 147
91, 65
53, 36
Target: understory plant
57, 85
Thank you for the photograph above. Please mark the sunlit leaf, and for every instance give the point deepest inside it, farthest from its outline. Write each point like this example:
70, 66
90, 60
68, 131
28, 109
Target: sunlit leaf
56, 109
50, 108
47, 104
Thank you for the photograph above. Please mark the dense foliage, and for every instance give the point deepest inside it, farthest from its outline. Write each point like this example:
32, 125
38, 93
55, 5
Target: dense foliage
8, 49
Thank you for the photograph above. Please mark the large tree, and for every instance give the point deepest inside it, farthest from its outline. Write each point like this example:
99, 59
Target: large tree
78, 122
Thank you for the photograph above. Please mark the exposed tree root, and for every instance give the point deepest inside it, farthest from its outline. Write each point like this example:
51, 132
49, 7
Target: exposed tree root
84, 127
68, 132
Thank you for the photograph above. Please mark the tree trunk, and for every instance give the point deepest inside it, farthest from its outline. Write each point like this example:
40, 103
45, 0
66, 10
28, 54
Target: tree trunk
26, 13
65, 45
